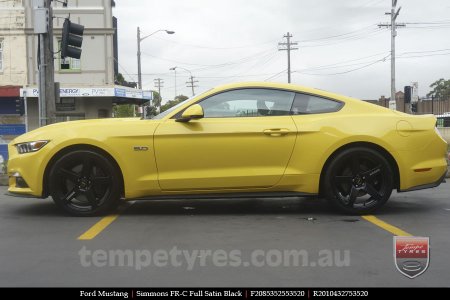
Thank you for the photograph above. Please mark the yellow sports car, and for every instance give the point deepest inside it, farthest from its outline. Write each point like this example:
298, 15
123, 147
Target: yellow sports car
239, 140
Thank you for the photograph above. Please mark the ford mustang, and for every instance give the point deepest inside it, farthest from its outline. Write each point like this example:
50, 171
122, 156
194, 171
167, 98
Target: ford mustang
239, 140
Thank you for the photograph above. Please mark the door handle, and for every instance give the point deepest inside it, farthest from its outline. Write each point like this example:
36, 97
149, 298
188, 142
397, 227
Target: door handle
276, 132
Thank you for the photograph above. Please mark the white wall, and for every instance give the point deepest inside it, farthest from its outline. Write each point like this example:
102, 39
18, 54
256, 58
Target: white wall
12, 33
97, 59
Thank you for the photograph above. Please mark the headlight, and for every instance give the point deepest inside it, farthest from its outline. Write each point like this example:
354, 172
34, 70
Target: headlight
28, 147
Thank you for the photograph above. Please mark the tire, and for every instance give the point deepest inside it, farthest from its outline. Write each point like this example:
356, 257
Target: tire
85, 183
358, 181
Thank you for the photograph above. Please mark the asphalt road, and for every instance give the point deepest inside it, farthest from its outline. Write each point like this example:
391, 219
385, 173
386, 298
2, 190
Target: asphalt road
187, 243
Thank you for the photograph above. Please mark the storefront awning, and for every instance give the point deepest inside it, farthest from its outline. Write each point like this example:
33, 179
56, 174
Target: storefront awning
82, 92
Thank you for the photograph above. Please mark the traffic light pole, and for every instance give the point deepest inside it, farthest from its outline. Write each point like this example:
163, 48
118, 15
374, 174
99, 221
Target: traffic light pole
47, 72
25, 103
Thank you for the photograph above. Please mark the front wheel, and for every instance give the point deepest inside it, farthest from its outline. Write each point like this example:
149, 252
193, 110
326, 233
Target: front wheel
358, 181
84, 183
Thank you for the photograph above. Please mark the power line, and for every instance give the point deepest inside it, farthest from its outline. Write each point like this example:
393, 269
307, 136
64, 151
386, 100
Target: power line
276, 75
217, 48
351, 70
238, 61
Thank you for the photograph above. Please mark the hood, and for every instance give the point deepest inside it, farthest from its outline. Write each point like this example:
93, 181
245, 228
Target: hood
86, 128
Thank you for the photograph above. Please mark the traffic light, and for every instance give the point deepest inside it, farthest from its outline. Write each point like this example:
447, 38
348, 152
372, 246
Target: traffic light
72, 39
408, 94
20, 106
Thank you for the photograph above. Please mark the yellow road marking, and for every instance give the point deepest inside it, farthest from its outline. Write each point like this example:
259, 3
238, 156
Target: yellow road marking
95, 230
388, 227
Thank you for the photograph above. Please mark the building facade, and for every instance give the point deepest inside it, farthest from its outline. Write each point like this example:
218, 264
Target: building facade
87, 84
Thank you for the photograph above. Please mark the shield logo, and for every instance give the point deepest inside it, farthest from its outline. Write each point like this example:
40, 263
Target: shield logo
411, 255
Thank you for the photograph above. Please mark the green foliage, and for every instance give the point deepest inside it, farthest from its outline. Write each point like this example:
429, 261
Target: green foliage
181, 98
156, 99
172, 103
120, 79
123, 111
440, 89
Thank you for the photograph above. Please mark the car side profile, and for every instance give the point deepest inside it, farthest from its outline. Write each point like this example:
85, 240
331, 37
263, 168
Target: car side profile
239, 140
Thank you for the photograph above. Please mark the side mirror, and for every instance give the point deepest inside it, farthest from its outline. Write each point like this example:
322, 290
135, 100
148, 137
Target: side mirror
193, 112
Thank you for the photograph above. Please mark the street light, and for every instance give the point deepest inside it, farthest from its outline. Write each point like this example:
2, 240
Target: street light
190, 73
139, 40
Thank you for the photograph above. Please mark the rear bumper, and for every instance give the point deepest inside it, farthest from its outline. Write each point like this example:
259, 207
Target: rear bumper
426, 186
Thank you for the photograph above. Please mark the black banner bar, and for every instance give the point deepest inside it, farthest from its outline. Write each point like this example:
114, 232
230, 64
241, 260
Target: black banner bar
231, 293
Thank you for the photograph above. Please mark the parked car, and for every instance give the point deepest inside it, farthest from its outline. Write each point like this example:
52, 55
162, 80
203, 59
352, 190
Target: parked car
239, 140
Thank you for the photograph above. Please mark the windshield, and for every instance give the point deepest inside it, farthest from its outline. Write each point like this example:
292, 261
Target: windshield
165, 113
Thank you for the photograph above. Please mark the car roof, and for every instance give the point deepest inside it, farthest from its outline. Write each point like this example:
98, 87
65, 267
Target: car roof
282, 86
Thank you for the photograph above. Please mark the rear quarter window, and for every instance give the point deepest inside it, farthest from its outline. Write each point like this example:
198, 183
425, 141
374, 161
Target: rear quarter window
311, 104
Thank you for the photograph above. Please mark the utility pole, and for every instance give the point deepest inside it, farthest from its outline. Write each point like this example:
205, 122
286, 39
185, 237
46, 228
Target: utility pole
159, 84
191, 83
288, 47
44, 26
393, 25
139, 58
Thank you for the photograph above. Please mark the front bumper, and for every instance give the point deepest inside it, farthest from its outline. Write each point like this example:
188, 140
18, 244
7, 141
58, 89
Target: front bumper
26, 172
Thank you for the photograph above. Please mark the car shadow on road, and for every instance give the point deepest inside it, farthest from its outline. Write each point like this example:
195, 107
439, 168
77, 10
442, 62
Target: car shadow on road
39, 208
247, 206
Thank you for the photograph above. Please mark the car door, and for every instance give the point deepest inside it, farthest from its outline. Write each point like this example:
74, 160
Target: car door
244, 141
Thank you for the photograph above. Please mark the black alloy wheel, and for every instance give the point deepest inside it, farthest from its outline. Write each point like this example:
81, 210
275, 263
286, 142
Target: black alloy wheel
84, 183
358, 181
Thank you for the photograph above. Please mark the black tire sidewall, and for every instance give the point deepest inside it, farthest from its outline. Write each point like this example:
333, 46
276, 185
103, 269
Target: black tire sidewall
388, 177
112, 199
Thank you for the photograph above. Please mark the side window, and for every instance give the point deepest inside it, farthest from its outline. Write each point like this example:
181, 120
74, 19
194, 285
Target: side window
309, 104
248, 103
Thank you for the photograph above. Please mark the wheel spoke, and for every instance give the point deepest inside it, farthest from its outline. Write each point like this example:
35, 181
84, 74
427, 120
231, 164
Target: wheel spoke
70, 195
370, 189
355, 167
101, 180
372, 172
91, 197
87, 168
352, 196
343, 179
69, 174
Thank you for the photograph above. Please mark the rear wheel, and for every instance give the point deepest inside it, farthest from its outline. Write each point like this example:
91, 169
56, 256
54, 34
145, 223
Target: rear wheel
84, 183
358, 181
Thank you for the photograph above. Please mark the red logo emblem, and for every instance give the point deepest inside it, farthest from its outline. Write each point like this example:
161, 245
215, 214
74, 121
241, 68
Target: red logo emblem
411, 255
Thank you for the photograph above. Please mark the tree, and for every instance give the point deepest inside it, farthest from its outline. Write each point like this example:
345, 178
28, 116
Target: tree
120, 80
440, 89
181, 98
174, 102
123, 111
156, 99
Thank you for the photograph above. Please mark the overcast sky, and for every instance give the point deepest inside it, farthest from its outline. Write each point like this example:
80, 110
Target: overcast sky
341, 48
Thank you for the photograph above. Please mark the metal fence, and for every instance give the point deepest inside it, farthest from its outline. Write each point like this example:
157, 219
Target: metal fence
434, 105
